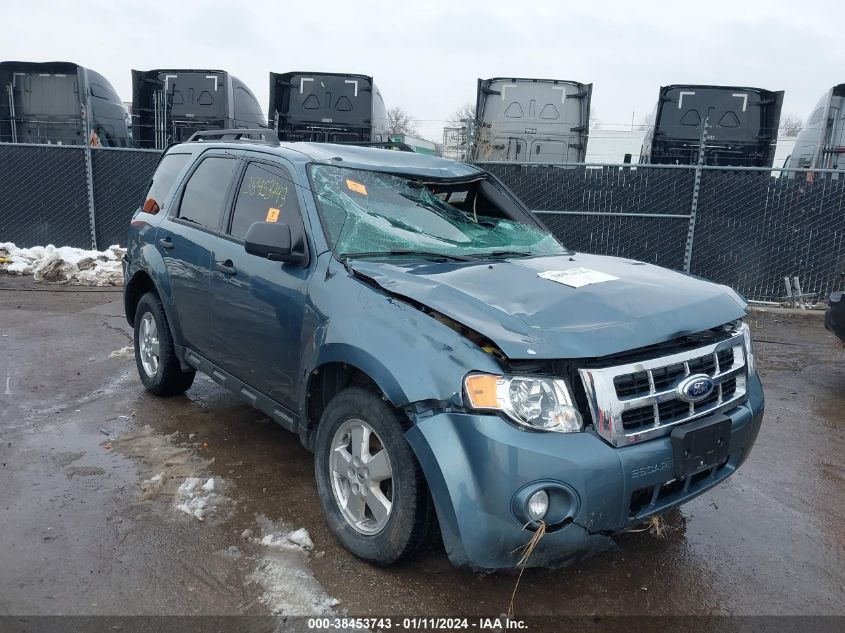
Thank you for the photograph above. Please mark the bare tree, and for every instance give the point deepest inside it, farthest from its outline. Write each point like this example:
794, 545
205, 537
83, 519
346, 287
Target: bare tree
401, 122
595, 121
646, 121
459, 116
791, 125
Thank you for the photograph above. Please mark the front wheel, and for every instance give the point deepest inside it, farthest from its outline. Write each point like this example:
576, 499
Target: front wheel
155, 355
369, 481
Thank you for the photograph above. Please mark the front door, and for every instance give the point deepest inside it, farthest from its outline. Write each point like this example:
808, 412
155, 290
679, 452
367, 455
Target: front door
258, 304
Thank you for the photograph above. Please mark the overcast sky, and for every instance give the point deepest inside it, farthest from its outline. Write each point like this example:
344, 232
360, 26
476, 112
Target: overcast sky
426, 56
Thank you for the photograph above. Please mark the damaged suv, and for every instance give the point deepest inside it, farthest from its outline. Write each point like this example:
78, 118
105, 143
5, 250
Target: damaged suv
447, 360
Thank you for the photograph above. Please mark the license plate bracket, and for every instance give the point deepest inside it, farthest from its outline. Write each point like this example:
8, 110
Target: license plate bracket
701, 444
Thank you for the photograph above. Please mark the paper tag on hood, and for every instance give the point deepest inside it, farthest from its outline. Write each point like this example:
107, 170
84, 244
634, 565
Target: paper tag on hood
576, 277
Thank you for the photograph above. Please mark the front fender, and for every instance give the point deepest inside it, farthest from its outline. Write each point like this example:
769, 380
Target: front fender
408, 354
364, 361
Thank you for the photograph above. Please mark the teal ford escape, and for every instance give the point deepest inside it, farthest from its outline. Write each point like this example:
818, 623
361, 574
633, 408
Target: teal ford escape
447, 360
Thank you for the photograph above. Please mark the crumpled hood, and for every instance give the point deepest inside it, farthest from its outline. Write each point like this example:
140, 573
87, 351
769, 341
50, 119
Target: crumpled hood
528, 316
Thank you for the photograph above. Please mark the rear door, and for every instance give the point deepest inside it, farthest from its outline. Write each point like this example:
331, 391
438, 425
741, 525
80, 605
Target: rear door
186, 239
258, 305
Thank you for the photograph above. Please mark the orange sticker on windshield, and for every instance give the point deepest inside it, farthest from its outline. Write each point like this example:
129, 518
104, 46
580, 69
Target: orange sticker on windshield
272, 215
357, 187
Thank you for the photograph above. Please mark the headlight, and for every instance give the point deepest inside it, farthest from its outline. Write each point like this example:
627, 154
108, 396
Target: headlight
749, 345
536, 402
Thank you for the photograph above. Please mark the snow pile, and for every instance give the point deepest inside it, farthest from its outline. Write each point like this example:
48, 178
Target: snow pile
288, 585
123, 352
199, 499
152, 486
298, 539
65, 264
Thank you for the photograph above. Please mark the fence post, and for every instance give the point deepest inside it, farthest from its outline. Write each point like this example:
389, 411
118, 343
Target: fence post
89, 178
702, 141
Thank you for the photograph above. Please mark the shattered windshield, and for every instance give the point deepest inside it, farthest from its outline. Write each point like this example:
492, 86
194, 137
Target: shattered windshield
371, 213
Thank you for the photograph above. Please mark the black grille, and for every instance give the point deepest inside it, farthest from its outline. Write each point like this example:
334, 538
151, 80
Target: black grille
673, 489
635, 418
666, 377
631, 385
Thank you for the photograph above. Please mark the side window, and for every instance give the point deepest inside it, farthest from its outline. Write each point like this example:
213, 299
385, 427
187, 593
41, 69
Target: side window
816, 116
98, 91
163, 180
267, 194
205, 193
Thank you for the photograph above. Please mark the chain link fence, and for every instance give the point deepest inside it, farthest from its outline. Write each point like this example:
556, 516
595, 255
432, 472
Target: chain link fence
744, 227
120, 180
44, 195
747, 228
53, 194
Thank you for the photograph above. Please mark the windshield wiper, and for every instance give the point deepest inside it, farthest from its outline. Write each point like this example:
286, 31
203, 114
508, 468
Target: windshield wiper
399, 252
507, 254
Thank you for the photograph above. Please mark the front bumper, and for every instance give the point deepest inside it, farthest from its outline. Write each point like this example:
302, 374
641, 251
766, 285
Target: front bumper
475, 464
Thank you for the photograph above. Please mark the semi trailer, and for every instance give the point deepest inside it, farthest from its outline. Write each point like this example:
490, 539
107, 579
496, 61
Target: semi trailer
169, 105
821, 144
532, 120
59, 103
327, 107
738, 126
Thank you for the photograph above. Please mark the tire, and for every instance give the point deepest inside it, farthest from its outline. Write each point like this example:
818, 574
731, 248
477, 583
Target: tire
161, 374
410, 520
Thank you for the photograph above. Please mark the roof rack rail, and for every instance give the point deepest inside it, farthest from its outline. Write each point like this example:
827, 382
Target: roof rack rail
394, 145
262, 135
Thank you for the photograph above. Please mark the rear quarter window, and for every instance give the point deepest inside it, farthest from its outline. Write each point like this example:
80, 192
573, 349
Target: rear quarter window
163, 180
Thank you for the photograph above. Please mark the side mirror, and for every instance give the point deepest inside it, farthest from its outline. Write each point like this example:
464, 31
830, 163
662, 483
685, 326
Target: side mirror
271, 240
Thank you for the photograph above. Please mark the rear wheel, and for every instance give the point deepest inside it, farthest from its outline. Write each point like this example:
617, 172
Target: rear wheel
155, 356
369, 481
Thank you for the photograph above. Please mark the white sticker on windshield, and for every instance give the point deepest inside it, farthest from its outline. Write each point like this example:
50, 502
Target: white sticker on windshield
576, 277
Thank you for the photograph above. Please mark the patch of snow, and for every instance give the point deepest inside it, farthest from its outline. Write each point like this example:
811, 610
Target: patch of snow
297, 539
64, 264
152, 486
288, 585
302, 538
197, 499
123, 352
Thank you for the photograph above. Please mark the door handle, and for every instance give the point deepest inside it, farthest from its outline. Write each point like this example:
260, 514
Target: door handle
166, 242
226, 267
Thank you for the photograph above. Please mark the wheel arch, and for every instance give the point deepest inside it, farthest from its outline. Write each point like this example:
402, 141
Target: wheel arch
341, 366
140, 284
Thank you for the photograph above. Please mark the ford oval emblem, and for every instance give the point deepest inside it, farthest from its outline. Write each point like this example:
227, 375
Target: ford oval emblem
696, 388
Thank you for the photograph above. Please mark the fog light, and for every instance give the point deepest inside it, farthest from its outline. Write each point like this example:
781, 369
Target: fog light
538, 505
